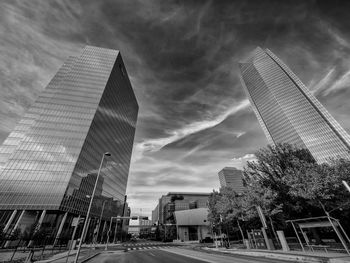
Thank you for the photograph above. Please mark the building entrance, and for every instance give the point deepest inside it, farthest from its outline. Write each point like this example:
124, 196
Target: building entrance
193, 233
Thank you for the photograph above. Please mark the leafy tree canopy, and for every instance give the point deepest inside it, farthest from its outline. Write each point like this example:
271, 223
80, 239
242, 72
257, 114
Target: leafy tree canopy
286, 182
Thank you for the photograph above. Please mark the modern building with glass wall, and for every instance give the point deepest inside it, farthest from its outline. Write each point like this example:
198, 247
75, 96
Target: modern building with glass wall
49, 162
286, 109
177, 201
164, 213
231, 177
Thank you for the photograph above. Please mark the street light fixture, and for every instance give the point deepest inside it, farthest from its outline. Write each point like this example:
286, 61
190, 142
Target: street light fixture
88, 212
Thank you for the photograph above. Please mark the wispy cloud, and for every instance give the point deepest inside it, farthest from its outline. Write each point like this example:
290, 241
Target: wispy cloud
334, 81
194, 127
333, 33
240, 162
342, 83
323, 83
29, 56
197, 24
181, 58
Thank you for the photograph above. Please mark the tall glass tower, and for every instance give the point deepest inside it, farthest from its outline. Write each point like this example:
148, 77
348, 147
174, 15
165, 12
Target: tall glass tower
49, 162
231, 177
286, 109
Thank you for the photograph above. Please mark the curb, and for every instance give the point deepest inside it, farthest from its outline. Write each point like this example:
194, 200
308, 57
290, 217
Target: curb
54, 259
88, 258
340, 260
287, 257
64, 256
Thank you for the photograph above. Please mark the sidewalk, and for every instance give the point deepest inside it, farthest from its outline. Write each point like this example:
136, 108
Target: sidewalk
49, 255
21, 254
296, 256
86, 253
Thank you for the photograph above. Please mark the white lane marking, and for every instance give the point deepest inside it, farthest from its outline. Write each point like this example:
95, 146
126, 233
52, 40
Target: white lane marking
152, 254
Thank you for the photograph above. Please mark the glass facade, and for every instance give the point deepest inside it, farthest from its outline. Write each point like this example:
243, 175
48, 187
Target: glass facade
231, 177
286, 109
51, 159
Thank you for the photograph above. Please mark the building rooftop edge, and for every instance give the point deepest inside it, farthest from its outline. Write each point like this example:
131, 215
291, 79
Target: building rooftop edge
187, 193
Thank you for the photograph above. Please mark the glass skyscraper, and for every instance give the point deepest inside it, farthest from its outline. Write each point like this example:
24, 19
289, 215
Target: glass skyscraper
49, 162
286, 109
231, 177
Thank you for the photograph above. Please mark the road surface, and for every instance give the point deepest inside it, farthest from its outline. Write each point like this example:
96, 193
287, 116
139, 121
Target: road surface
168, 253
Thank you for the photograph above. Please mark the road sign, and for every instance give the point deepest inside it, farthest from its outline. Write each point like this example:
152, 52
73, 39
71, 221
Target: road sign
258, 237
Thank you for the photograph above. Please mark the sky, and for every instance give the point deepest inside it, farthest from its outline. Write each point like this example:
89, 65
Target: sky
182, 60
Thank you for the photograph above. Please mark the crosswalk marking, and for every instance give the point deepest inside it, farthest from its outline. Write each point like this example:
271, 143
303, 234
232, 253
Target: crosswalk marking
145, 248
144, 244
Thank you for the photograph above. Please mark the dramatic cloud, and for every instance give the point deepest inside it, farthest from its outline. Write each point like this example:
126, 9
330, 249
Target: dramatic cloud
240, 162
342, 83
175, 135
181, 57
323, 83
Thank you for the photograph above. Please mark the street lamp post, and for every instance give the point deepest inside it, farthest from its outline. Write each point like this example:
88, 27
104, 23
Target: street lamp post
88, 212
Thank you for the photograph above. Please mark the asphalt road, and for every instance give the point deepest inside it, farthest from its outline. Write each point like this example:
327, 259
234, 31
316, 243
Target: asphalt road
171, 254
143, 256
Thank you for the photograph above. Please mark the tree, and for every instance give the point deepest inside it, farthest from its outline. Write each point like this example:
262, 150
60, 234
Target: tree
226, 208
255, 195
287, 183
274, 164
214, 215
321, 185
231, 205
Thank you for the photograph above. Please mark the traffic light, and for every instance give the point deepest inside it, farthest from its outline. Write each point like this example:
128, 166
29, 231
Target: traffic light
144, 217
134, 218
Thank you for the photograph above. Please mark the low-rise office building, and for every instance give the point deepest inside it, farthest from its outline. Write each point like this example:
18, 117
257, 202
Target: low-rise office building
192, 225
164, 213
